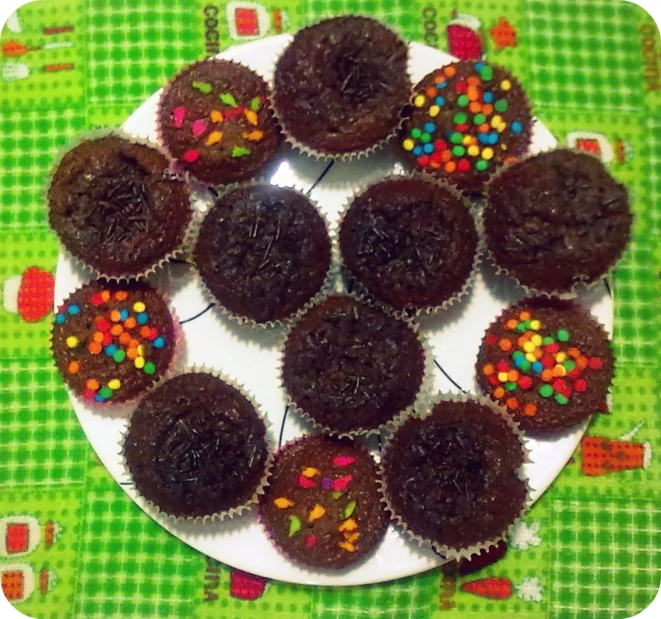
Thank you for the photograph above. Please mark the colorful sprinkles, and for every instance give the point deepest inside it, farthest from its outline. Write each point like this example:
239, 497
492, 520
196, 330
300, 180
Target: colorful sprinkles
122, 334
478, 130
546, 364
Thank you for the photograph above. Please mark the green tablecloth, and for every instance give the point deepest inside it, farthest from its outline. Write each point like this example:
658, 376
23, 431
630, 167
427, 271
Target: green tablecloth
590, 547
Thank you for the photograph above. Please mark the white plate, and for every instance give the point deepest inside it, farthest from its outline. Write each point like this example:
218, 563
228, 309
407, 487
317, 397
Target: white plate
252, 357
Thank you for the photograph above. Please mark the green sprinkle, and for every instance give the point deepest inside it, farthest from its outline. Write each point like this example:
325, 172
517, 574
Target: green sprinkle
478, 119
255, 103
526, 325
547, 340
105, 392
228, 99
569, 365
460, 118
119, 356
203, 87
481, 165
521, 327
425, 138
455, 138
337, 495
563, 335
561, 399
546, 391
462, 101
517, 354
510, 386
149, 368
294, 525
348, 510
525, 366
240, 151
500, 105
486, 73
458, 151
416, 133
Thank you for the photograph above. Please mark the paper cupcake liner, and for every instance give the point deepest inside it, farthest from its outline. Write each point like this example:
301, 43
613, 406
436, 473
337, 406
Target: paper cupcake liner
447, 552
94, 272
159, 133
577, 307
233, 511
425, 387
124, 405
365, 294
347, 156
531, 290
323, 291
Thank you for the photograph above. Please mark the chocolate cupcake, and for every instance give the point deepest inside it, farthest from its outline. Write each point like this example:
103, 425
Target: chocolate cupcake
465, 120
409, 242
340, 85
196, 447
322, 506
454, 479
111, 342
350, 368
548, 361
215, 119
263, 252
117, 208
555, 220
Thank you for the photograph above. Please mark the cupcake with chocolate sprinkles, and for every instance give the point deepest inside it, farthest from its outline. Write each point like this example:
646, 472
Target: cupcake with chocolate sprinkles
549, 362
340, 85
409, 242
116, 207
351, 368
555, 220
263, 252
454, 479
322, 507
197, 448
465, 120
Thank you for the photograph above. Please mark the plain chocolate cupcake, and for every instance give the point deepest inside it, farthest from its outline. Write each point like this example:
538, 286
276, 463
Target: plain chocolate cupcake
465, 120
322, 507
350, 368
117, 208
556, 219
215, 119
410, 242
340, 86
111, 342
548, 361
196, 447
453, 479
263, 252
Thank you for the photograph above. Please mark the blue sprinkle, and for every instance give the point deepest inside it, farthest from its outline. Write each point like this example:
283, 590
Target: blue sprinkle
440, 101
537, 367
142, 318
159, 342
428, 149
430, 127
479, 66
60, 318
110, 350
518, 362
493, 138
73, 310
441, 85
99, 398
483, 138
417, 151
123, 314
488, 97
516, 127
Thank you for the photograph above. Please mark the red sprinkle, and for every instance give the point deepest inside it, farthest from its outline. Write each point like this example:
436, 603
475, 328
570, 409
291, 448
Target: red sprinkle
551, 348
107, 339
525, 382
97, 299
595, 363
491, 340
102, 324
547, 362
440, 145
461, 87
88, 394
343, 460
502, 366
463, 127
437, 157
574, 374
493, 380
191, 156
580, 385
423, 159
566, 391
559, 385
305, 482
463, 165
153, 334
342, 483
311, 540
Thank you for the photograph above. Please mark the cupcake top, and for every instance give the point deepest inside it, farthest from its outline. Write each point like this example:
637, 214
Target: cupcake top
410, 242
196, 447
322, 506
548, 361
116, 207
556, 219
351, 368
113, 341
263, 252
215, 119
452, 479
340, 85
465, 120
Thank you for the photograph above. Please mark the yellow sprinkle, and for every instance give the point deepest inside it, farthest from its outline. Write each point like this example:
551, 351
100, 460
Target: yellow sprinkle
114, 384
529, 347
141, 350
419, 101
560, 357
283, 503
496, 120
473, 151
351, 537
348, 525
502, 377
310, 472
535, 325
253, 136
72, 341
139, 306
139, 362
506, 85
531, 357
434, 110
503, 146
467, 140
251, 116
487, 153
408, 144
213, 138
216, 116
501, 127
536, 339
317, 512
347, 546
